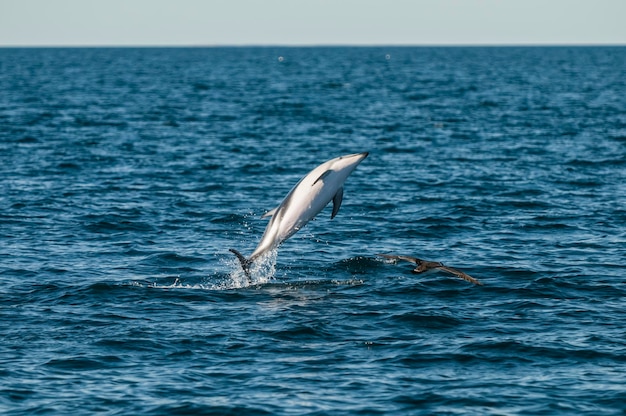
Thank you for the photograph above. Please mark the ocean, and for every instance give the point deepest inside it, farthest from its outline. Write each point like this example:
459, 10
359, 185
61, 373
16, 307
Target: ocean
126, 174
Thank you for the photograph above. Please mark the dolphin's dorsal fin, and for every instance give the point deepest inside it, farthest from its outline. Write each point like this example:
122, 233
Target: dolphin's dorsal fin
322, 176
337, 202
269, 213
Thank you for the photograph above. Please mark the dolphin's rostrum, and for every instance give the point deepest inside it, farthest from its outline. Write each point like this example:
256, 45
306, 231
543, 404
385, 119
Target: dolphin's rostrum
314, 191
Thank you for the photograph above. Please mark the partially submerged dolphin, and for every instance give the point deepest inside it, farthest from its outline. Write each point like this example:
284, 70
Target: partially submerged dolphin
320, 186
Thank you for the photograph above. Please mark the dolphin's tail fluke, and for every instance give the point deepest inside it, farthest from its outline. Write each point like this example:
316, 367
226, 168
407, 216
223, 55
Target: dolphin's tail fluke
245, 263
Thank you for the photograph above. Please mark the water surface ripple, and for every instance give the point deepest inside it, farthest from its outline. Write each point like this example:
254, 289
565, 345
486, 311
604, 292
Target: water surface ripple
127, 174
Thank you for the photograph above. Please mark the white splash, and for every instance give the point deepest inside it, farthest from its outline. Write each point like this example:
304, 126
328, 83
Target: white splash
262, 270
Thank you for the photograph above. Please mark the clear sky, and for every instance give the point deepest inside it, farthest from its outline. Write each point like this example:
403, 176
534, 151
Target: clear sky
311, 22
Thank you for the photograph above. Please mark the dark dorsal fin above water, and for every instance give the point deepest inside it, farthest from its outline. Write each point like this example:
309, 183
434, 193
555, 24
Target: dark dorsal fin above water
337, 202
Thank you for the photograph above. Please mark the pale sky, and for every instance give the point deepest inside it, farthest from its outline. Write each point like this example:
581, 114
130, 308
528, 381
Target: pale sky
310, 22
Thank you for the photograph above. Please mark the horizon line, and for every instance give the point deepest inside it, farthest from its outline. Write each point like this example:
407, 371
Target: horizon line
314, 45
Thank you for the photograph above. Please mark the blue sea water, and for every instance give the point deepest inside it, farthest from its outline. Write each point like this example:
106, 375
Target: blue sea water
127, 174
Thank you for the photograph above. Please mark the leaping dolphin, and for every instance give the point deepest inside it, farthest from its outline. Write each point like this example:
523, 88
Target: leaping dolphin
320, 186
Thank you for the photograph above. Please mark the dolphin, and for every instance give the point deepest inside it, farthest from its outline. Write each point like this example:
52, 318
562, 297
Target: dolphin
423, 266
305, 200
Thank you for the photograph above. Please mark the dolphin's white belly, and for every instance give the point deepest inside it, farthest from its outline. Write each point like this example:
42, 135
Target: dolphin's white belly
297, 210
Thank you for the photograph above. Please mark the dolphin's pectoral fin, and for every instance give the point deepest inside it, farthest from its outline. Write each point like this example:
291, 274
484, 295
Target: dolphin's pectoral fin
337, 202
269, 213
245, 263
322, 176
